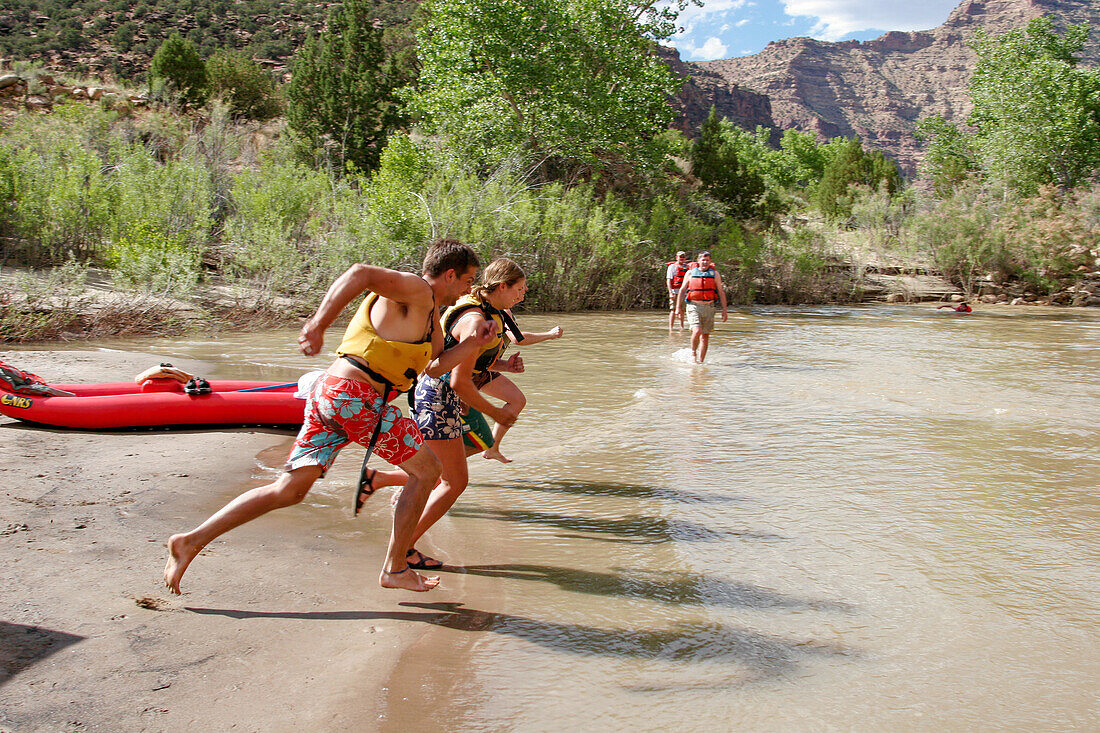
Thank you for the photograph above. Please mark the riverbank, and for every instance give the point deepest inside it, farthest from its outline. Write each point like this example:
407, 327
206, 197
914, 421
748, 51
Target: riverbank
282, 625
52, 305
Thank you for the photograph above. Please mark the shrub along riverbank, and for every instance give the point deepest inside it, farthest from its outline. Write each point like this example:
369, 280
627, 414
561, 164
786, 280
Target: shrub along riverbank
170, 205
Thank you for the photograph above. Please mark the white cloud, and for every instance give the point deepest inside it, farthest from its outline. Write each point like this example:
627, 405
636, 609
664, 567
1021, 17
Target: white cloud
712, 13
838, 18
712, 49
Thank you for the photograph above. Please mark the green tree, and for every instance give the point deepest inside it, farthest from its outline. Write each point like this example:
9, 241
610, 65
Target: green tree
801, 159
721, 160
850, 165
247, 89
950, 157
1036, 113
178, 64
341, 94
574, 86
123, 37
706, 153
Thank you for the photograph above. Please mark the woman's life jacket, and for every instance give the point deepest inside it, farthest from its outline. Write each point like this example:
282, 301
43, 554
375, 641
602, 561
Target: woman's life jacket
393, 362
702, 285
491, 351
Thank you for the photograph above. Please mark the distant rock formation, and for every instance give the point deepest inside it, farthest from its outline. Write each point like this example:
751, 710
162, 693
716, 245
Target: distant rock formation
704, 88
876, 89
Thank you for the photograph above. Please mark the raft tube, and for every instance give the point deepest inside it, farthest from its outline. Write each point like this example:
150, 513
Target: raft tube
157, 403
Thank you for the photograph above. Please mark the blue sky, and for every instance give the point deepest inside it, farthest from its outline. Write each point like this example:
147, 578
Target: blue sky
722, 29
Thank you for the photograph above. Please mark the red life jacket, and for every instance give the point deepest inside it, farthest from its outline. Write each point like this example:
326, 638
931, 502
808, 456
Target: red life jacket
701, 285
678, 278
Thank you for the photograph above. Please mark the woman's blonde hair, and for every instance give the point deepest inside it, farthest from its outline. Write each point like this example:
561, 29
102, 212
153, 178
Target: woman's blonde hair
501, 271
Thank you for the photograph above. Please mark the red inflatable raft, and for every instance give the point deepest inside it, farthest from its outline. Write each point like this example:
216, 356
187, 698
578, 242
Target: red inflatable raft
153, 403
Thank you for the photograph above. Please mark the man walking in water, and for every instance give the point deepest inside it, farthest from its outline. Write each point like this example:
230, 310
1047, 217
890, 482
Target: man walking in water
674, 278
394, 335
701, 288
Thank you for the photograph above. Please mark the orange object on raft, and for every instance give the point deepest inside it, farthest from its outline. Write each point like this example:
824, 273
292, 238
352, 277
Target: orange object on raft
156, 403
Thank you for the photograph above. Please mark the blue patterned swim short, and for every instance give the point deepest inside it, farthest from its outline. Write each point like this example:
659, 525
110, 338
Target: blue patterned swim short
437, 408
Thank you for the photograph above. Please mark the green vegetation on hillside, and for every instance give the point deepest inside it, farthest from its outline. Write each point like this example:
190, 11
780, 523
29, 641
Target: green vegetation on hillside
541, 136
121, 37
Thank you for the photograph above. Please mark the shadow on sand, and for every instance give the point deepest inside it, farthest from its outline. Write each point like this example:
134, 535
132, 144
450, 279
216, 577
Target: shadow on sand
23, 646
757, 656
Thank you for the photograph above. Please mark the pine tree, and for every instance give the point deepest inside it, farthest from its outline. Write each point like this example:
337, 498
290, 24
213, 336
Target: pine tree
706, 163
715, 162
243, 84
341, 94
178, 64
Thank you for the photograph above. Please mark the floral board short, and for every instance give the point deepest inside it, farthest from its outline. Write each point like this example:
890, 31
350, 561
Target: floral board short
700, 315
339, 411
437, 408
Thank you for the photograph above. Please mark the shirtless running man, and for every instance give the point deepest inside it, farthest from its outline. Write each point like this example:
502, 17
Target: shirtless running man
394, 335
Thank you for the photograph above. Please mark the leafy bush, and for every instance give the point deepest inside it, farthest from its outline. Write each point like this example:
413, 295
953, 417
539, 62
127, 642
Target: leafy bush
146, 256
275, 220
61, 195
248, 90
964, 238
177, 63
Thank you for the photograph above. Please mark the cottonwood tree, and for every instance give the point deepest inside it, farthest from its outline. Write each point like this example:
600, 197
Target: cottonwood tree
950, 158
1036, 113
574, 85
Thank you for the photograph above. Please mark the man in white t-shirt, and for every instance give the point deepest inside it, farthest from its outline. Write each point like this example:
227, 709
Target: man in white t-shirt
674, 278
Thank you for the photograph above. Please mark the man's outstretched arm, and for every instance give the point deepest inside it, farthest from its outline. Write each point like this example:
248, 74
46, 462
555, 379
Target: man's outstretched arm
402, 287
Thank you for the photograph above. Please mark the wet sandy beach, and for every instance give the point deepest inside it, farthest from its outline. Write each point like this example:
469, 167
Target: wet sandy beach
282, 625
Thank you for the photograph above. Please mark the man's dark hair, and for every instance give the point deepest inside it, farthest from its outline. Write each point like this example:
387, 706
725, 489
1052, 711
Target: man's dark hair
449, 254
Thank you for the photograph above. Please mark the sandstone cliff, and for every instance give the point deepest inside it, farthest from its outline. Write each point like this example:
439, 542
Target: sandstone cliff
704, 88
879, 89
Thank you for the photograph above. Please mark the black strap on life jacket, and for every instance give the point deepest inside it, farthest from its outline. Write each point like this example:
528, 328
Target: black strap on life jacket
362, 492
511, 325
410, 373
505, 318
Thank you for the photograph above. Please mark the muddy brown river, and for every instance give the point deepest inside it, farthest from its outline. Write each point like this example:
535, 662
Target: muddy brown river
867, 518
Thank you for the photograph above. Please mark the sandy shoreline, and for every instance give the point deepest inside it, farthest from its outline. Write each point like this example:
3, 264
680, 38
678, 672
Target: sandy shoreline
282, 625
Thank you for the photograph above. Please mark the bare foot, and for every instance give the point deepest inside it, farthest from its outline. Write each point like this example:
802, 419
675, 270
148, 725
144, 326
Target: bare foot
180, 555
408, 580
496, 455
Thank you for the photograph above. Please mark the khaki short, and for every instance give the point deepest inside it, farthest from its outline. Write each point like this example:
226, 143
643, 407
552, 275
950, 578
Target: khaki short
700, 314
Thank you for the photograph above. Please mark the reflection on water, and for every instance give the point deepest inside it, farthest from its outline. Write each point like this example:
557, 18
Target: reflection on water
873, 518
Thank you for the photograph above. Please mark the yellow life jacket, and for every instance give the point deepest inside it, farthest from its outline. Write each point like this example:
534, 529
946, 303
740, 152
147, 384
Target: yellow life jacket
491, 351
394, 362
